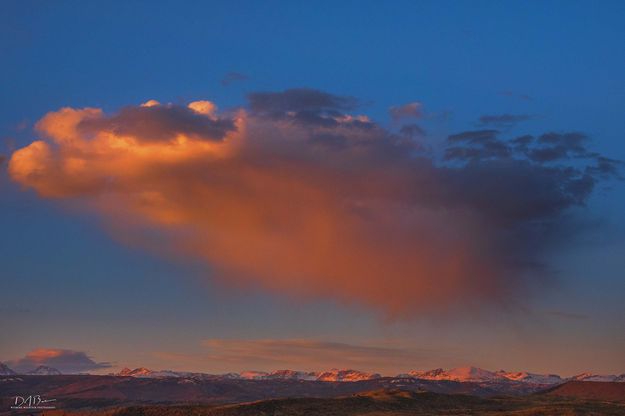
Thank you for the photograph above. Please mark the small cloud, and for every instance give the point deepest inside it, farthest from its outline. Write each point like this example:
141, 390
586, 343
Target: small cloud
231, 77
66, 361
503, 120
410, 110
22, 125
308, 107
512, 94
150, 103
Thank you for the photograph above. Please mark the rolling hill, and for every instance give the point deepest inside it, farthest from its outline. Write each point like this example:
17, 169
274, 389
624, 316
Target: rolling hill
590, 390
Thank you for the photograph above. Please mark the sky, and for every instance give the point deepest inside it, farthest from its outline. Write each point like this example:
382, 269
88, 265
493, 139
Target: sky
229, 186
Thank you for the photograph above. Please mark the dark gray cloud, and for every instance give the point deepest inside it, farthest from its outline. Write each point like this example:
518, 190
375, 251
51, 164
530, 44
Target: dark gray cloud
231, 77
503, 120
307, 106
521, 189
299, 99
605, 167
525, 179
476, 145
158, 123
554, 146
66, 361
412, 131
522, 142
473, 136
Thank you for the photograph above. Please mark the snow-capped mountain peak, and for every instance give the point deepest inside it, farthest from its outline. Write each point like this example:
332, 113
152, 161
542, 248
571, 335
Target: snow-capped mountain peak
253, 375
461, 374
137, 372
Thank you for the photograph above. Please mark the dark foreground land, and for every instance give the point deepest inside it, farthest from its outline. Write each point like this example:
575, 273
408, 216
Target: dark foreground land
380, 403
126, 396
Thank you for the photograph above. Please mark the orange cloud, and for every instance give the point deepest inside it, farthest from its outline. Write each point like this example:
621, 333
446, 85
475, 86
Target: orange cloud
297, 197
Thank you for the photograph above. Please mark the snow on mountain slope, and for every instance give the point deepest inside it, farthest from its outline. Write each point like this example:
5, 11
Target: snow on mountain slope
472, 374
43, 370
597, 377
143, 372
6, 371
479, 375
345, 375
137, 372
331, 375
525, 377
291, 375
462, 374
253, 375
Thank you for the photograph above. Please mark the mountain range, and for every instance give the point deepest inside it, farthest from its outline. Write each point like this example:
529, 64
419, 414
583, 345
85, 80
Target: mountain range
460, 374
42, 370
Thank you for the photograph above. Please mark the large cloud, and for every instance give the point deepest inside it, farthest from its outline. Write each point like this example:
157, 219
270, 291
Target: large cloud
298, 196
66, 361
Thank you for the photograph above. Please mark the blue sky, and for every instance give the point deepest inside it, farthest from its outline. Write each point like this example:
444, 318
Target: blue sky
68, 283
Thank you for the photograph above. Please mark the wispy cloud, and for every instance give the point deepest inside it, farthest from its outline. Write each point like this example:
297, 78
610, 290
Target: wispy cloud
410, 110
568, 315
301, 354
